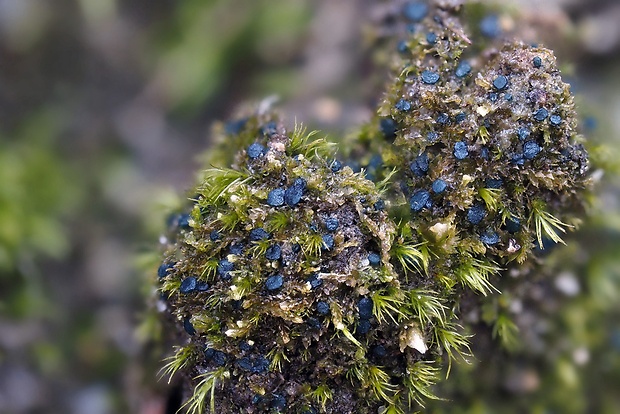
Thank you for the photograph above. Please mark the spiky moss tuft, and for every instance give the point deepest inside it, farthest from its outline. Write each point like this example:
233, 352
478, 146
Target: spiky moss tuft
303, 329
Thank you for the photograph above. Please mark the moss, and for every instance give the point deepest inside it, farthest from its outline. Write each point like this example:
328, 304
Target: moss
327, 292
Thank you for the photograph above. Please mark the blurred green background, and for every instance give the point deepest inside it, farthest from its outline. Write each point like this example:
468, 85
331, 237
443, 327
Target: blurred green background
104, 105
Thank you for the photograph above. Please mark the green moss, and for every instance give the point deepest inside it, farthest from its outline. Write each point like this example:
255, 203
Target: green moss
511, 181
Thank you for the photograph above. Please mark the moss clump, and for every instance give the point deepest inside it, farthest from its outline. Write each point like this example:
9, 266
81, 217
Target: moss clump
292, 302
297, 285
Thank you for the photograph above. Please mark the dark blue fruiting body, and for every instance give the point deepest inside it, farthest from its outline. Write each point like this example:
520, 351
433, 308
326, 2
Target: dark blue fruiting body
328, 241
293, 194
374, 258
513, 225
531, 149
164, 269
476, 213
322, 308
402, 47
460, 150
335, 167
236, 249
500, 83
363, 327
379, 351
364, 308
523, 133
314, 281
183, 221
274, 282
443, 119
332, 223
189, 328
439, 186
273, 252
254, 364
379, 205
415, 11
255, 150
278, 402
489, 237
555, 120
541, 114
430, 77
259, 234
388, 128
275, 198
432, 136
403, 105
313, 323
494, 183
419, 199
218, 358
431, 38
188, 285
270, 128
223, 268
235, 127
463, 69
490, 27
215, 235
537, 61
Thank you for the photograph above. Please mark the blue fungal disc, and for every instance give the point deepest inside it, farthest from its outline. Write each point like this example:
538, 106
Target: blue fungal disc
531, 149
163, 270
374, 258
274, 282
275, 198
403, 105
460, 150
335, 167
189, 328
314, 281
388, 128
500, 83
259, 234
415, 11
273, 252
215, 235
489, 237
183, 221
255, 150
463, 69
476, 213
188, 285
541, 114
223, 269
293, 194
523, 133
331, 223
364, 308
513, 225
490, 26
363, 327
328, 241
439, 186
322, 308
430, 77
419, 199
537, 61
